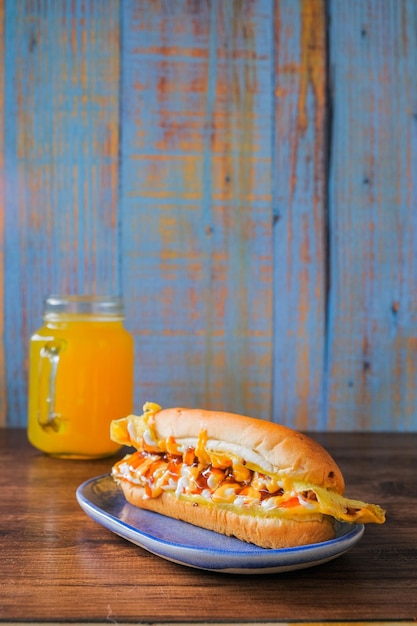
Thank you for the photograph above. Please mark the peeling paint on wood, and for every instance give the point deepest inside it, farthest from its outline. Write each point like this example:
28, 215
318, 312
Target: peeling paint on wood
210, 284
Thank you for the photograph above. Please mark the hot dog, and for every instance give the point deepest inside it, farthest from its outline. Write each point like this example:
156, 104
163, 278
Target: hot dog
259, 481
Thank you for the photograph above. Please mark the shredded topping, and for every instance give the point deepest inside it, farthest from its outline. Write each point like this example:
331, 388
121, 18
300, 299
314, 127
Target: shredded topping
195, 471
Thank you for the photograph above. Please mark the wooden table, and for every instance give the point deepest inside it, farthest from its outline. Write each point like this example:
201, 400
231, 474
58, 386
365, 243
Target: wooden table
58, 565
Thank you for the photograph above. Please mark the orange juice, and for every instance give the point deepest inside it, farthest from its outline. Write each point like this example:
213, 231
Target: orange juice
80, 377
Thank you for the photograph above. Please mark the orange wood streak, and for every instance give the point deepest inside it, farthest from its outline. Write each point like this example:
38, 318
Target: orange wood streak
313, 75
176, 52
313, 59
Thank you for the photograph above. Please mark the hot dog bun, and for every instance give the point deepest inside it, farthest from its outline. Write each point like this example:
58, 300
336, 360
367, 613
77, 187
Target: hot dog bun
259, 481
264, 532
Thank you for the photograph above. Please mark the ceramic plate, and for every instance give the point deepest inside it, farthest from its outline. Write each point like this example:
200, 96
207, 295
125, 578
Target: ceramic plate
176, 541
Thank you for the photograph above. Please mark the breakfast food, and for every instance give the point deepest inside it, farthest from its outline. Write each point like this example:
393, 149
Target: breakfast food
255, 480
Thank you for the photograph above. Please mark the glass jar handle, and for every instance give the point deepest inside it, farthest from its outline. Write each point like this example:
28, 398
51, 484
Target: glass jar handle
48, 370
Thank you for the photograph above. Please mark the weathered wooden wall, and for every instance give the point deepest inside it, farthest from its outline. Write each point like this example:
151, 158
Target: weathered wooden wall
372, 322
244, 173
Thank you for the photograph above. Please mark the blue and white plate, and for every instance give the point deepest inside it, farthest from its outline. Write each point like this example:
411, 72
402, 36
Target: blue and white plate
176, 541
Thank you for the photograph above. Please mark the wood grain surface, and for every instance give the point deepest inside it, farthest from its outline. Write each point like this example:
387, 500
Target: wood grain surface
61, 165
197, 201
243, 172
58, 565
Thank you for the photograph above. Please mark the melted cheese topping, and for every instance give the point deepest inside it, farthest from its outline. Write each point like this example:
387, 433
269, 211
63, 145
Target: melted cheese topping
216, 477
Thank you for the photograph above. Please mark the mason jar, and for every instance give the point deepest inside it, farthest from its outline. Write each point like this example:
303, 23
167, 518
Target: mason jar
80, 376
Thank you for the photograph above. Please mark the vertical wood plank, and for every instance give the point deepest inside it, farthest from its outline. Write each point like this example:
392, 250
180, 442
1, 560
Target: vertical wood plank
372, 369
3, 388
299, 212
196, 180
219, 240
61, 164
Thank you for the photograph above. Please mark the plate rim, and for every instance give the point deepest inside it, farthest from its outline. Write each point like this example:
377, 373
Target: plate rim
271, 556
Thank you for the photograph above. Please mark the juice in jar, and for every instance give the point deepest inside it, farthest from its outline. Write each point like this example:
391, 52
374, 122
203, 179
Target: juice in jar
80, 376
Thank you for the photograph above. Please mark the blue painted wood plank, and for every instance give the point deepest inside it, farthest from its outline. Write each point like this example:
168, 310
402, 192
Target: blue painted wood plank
196, 198
299, 213
372, 367
61, 164
3, 386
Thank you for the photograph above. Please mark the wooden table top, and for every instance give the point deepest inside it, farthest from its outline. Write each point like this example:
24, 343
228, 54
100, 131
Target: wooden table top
59, 565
